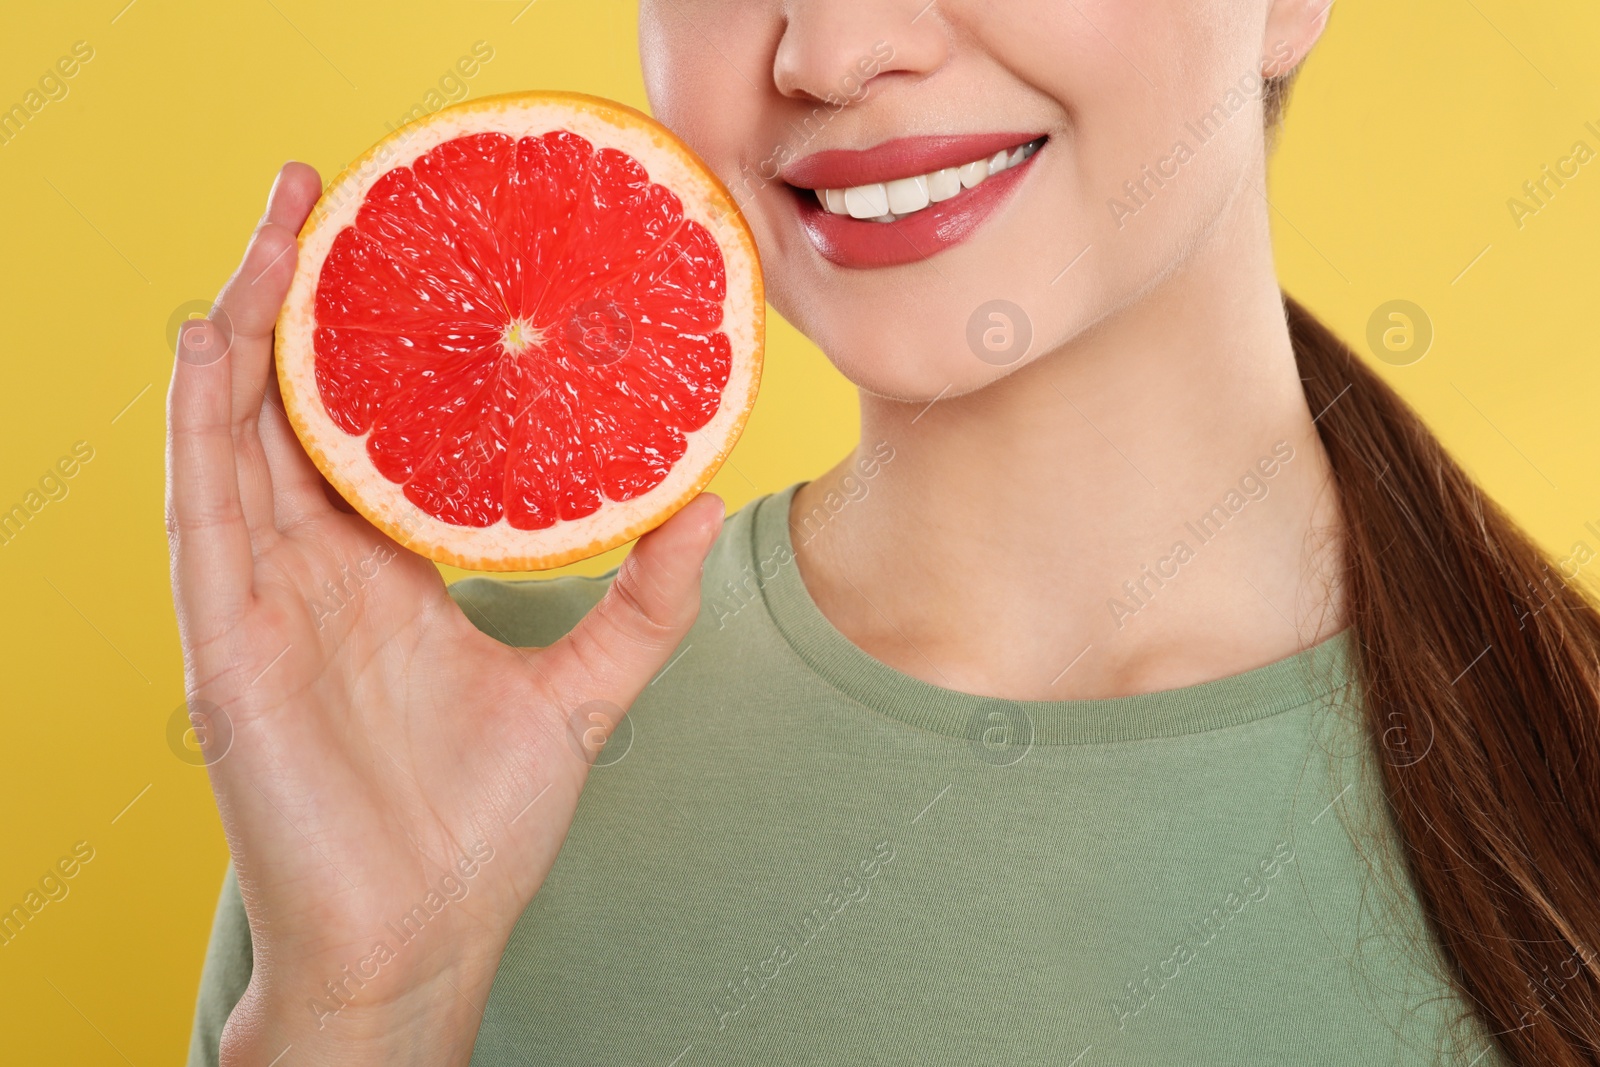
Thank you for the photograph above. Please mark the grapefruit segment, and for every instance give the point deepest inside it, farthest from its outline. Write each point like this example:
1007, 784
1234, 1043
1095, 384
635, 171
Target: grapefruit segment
522, 330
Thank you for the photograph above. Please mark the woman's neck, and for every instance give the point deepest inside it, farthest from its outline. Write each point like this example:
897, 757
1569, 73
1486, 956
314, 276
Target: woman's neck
1101, 522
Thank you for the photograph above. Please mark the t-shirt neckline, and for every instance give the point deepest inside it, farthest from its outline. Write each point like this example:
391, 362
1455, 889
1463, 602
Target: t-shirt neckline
1313, 674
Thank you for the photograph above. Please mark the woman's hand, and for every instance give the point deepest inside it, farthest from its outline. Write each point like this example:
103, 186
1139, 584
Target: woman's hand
394, 784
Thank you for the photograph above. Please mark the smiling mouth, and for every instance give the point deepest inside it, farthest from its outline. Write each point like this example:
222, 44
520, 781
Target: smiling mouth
909, 198
891, 201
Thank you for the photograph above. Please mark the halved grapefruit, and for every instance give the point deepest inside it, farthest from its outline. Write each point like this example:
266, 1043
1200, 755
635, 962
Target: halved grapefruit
522, 330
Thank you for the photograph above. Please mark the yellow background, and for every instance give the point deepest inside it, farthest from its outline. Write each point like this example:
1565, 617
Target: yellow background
1412, 127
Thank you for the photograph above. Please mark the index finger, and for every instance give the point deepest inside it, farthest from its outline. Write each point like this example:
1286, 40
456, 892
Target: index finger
209, 502
250, 301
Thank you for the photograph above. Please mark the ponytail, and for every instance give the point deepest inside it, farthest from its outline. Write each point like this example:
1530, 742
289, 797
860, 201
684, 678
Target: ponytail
1479, 663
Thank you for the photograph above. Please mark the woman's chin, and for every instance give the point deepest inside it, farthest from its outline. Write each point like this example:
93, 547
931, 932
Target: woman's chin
921, 380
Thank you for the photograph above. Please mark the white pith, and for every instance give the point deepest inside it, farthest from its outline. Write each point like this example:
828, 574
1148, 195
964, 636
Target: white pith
892, 201
343, 457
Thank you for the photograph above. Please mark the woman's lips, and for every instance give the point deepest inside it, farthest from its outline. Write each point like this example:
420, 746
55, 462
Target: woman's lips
901, 158
849, 242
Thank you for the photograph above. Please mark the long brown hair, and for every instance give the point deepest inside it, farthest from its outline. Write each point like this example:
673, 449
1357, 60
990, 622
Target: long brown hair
1479, 665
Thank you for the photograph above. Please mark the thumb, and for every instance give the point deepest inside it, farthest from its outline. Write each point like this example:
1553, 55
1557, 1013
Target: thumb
620, 645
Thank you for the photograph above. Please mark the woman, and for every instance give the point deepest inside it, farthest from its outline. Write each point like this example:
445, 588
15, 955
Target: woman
1147, 685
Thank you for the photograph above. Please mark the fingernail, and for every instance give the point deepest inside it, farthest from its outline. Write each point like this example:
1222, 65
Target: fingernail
721, 513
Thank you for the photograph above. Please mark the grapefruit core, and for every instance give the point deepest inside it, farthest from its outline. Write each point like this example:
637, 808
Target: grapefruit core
522, 330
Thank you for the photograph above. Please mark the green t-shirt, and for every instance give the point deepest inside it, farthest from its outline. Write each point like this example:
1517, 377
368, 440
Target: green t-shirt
791, 853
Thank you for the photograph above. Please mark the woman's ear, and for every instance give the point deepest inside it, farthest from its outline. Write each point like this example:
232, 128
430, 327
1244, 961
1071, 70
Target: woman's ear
1293, 26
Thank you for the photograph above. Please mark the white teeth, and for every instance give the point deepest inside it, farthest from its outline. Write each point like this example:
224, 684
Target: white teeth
943, 184
893, 200
866, 201
907, 195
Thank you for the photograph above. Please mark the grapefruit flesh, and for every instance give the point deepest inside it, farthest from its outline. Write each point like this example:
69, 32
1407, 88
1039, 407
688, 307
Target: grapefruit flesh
522, 331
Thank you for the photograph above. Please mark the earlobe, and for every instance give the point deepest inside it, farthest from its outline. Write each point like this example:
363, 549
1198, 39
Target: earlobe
1293, 27
1280, 59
